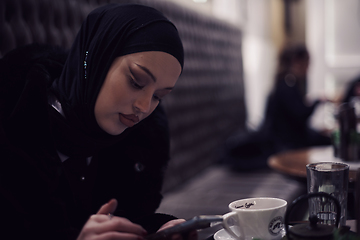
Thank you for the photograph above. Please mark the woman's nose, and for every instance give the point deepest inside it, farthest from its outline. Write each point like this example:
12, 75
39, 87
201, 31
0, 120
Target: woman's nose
143, 103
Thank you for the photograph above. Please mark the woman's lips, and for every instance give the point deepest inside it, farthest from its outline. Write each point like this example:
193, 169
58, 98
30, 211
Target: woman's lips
128, 120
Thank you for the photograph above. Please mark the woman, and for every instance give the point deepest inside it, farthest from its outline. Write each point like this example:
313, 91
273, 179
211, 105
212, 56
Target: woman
84, 140
288, 110
286, 122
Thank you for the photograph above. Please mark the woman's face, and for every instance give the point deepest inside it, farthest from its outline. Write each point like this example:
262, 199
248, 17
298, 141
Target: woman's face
300, 67
133, 87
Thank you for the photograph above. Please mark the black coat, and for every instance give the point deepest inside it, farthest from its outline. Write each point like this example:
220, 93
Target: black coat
42, 198
287, 116
285, 127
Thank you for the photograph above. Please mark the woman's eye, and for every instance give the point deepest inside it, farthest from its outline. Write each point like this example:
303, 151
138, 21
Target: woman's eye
157, 98
134, 84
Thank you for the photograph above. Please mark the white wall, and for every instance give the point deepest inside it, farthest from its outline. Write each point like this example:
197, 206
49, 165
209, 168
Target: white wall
333, 38
259, 56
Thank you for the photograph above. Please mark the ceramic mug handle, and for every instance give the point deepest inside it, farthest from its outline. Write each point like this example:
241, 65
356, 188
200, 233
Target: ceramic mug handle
226, 226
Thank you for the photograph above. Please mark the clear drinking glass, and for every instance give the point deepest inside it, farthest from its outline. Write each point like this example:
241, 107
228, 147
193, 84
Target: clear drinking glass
332, 178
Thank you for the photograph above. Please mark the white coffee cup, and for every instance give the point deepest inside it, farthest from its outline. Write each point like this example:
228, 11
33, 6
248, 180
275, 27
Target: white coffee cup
261, 218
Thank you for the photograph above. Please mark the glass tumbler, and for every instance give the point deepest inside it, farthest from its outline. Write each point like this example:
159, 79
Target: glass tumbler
332, 178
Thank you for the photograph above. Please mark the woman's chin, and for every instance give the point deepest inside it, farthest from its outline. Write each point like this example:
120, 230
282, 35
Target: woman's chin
116, 130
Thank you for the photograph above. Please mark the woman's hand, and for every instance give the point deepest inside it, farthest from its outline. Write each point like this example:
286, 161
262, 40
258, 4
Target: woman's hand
104, 226
171, 224
189, 236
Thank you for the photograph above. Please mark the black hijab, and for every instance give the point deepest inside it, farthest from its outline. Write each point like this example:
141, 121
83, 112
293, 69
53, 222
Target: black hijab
108, 32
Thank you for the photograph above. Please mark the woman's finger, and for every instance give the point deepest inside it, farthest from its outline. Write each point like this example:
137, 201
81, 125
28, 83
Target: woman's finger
117, 236
119, 224
109, 207
171, 223
100, 224
99, 218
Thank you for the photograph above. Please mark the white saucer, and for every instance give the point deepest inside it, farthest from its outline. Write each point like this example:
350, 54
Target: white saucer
223, 235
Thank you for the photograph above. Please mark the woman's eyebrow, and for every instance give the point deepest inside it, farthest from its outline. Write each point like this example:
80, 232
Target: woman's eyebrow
146, 71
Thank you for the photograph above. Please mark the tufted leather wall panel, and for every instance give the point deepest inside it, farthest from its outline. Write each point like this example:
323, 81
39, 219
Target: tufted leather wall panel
208, 101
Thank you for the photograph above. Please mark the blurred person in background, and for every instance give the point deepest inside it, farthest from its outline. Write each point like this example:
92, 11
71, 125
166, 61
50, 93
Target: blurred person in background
288, 110
286, 121
352, 91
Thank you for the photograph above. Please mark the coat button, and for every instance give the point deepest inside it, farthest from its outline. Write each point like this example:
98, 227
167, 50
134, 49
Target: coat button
139, 167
